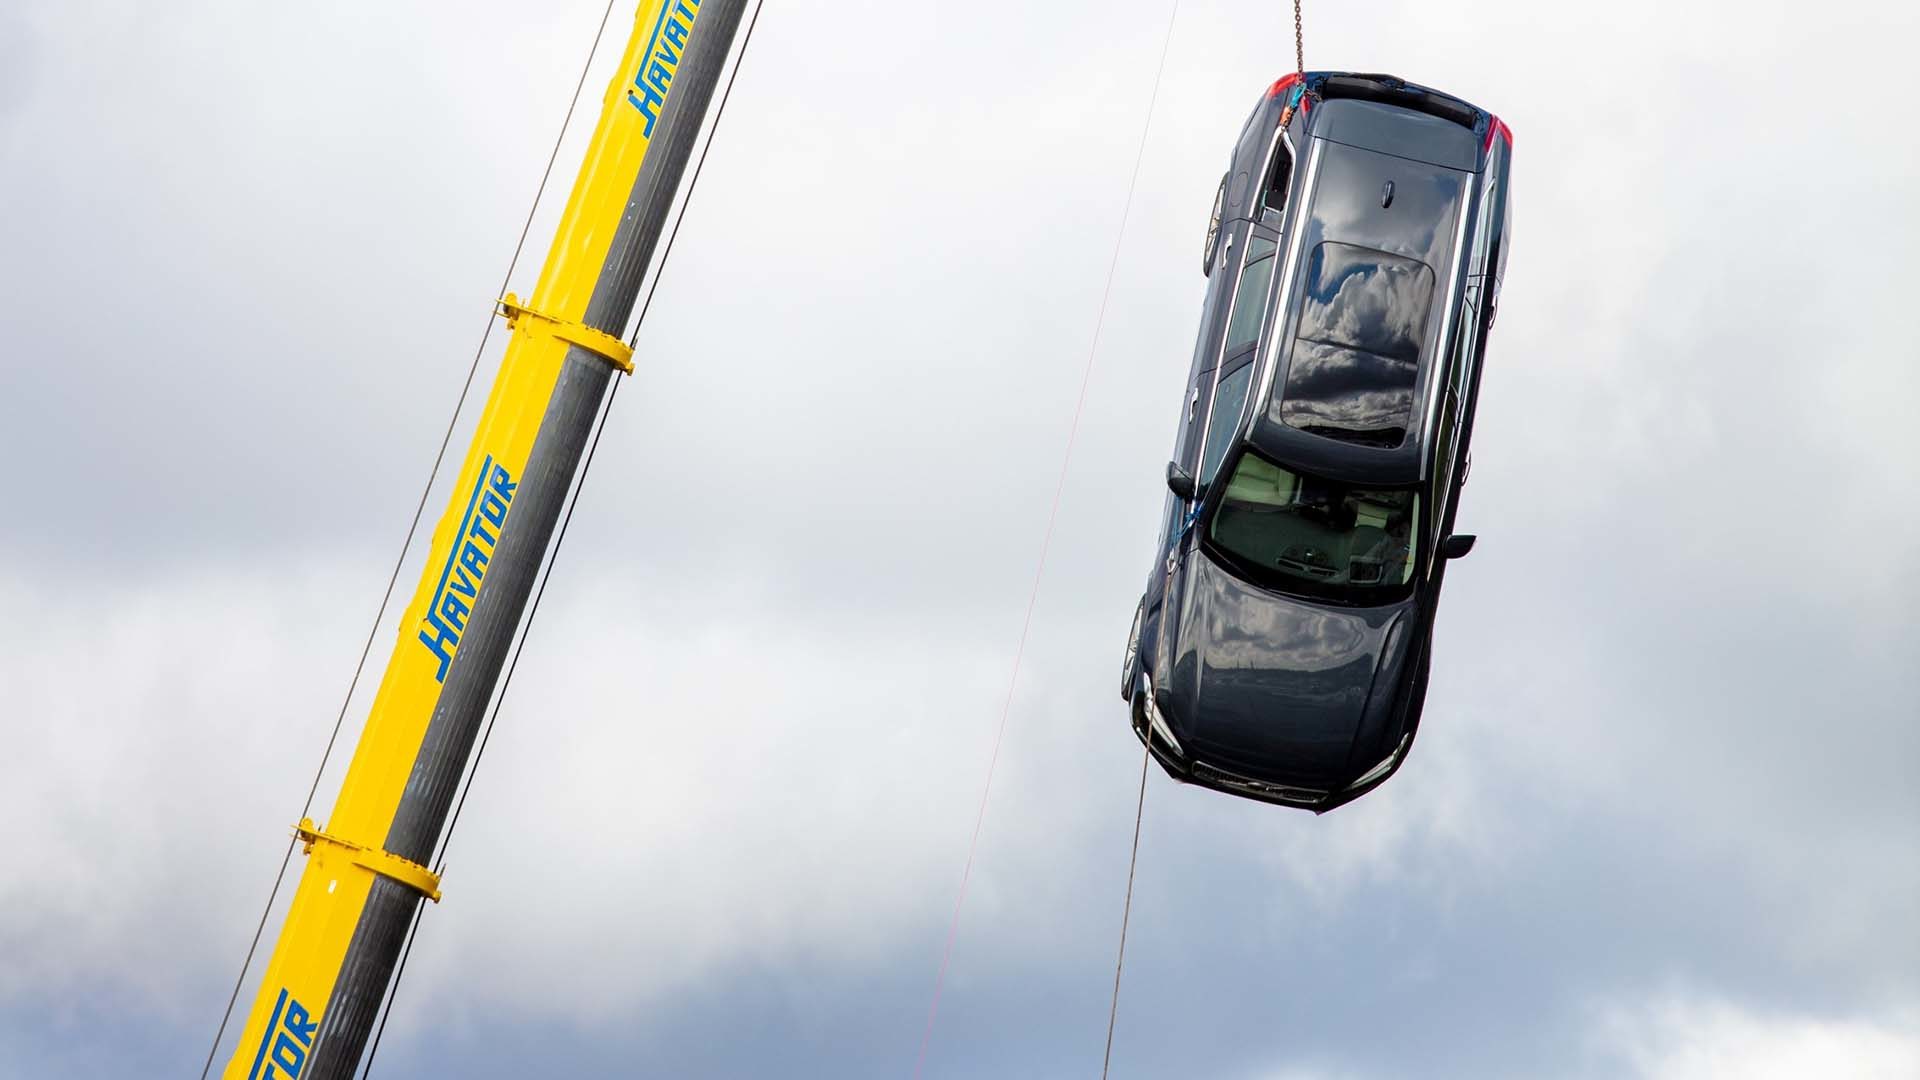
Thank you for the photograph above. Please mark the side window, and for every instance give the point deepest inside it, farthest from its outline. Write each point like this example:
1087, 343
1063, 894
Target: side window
1213, 309
1273, 194
1250, 297
1224, 418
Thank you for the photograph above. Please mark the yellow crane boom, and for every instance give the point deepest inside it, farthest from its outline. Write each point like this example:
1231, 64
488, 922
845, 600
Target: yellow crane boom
367, 868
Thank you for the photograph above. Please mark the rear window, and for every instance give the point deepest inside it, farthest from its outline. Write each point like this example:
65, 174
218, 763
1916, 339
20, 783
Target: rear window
1356, 356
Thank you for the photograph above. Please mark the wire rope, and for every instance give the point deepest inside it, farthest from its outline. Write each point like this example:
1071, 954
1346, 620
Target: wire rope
1133, 858
1046, 543
1126, 912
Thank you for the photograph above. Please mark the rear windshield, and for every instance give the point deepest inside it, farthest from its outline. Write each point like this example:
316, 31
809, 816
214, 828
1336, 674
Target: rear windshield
1357, 355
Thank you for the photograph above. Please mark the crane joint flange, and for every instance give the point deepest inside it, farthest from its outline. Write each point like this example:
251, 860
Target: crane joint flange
382, 862
602, 344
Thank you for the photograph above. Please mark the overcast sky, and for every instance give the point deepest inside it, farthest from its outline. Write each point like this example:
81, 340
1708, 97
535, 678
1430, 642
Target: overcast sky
1661, 821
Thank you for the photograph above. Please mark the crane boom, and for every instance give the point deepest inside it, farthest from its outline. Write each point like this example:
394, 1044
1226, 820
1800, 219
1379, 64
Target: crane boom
367, 870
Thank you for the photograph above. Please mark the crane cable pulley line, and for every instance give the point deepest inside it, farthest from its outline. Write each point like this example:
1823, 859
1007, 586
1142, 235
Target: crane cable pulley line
406, 544
1046, 541
633, 338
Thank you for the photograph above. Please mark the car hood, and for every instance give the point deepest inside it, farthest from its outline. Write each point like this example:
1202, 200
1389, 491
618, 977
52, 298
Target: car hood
1272, 687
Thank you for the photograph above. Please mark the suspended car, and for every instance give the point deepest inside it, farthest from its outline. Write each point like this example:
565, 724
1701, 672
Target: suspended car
1281, 648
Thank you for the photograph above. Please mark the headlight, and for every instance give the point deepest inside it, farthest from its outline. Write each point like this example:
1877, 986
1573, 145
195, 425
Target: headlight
1158, 722
1381, 769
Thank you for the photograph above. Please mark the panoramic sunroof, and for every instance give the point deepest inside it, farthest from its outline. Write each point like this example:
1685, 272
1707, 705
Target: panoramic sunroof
1356, 356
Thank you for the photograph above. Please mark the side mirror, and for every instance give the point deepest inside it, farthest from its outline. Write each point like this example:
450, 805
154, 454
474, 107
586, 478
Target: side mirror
1457, 545
1180, 481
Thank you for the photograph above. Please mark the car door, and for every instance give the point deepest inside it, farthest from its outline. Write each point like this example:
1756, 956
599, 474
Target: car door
1213, 406
1245, 320
1237, 314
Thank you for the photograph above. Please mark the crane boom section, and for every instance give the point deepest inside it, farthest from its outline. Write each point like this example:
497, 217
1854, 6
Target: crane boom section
392, 803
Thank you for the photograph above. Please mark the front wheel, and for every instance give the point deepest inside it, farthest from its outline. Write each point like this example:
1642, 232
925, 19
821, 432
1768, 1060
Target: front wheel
1130, 663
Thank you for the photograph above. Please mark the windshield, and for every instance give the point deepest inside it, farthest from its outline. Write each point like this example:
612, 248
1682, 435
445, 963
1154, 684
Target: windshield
1303, 534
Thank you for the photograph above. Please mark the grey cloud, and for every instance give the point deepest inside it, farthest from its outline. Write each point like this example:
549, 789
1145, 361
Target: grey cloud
1670, 730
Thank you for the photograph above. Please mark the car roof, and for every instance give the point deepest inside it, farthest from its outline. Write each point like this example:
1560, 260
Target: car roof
1374, 247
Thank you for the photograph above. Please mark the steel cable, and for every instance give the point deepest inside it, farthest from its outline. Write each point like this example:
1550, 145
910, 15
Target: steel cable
1126, 912
1133, 859
1046, 543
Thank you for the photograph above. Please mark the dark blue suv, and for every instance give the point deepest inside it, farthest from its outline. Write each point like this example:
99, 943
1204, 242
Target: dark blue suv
1281, 648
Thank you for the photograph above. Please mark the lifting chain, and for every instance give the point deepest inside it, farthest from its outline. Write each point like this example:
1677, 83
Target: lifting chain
1299, 62
1299, 50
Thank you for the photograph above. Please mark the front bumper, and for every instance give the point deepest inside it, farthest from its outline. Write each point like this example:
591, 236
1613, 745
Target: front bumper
1153, 731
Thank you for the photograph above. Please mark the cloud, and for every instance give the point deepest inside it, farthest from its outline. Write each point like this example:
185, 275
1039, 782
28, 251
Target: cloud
162, 737
720, 791
1682, 1037
722, 823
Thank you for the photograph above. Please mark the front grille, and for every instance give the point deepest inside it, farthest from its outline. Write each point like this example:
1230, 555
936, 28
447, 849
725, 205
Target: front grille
1257, 788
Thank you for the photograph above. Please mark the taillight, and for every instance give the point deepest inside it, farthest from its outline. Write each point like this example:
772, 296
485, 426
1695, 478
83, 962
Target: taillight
1497, 126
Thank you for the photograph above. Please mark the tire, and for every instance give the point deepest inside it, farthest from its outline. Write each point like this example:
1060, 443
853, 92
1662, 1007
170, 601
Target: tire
1213, 228
1130, 660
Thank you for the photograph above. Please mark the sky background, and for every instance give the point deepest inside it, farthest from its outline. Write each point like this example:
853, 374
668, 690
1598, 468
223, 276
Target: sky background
1660, 822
